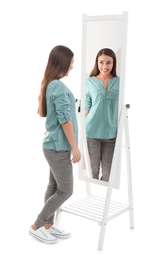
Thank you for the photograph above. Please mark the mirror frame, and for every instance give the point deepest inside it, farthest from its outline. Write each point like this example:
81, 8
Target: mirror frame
85, 173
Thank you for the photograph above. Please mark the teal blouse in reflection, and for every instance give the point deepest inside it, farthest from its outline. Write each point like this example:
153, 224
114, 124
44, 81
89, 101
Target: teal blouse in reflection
102, 119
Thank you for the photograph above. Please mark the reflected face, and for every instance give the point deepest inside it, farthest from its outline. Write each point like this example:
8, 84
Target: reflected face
71, 66
105, 65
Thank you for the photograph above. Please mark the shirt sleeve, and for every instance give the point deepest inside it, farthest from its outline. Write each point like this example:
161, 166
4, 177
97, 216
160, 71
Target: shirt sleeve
61, 100
88, 99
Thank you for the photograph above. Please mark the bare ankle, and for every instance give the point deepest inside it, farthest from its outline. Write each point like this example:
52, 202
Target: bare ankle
47, 226
34, 227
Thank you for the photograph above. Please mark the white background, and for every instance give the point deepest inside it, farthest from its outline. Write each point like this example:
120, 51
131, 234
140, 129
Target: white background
28, 31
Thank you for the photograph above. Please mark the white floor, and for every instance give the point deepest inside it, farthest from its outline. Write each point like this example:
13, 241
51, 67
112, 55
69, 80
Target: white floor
19, 212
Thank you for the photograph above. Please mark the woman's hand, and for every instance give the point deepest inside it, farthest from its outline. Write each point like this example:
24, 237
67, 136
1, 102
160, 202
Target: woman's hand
76, 155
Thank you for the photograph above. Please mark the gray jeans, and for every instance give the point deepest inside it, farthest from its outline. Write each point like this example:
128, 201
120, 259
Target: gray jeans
60, 186
101, 155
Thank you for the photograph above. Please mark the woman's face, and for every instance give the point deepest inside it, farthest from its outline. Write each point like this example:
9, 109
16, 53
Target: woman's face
71, 66
105, 64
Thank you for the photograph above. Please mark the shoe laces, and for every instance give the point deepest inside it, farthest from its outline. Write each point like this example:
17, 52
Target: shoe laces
58, 229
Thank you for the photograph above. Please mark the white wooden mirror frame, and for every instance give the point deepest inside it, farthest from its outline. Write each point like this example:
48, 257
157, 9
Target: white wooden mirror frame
107, 31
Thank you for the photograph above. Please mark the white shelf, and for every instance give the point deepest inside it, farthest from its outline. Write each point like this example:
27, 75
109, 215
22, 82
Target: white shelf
92, 208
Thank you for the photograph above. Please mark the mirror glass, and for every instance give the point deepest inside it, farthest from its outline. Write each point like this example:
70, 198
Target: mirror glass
100, 32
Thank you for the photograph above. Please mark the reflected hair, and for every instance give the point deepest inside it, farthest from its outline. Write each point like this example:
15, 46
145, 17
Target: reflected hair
108, 52
57, 67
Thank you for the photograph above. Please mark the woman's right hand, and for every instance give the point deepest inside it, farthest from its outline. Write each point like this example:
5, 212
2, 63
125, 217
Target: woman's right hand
76, 155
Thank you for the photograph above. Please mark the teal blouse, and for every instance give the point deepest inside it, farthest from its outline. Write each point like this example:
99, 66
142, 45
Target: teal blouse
102, 119
60, 109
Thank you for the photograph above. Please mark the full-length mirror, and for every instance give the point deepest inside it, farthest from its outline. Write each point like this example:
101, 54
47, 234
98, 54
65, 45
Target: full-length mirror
109, 33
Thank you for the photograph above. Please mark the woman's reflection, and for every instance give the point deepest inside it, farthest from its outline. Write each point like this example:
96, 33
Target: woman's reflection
101, 113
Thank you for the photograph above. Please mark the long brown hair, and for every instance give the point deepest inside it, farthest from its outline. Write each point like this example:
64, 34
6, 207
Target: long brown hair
57, 67
108, 52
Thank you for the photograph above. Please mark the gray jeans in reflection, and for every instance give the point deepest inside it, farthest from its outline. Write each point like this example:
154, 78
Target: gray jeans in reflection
60, 186
101, 155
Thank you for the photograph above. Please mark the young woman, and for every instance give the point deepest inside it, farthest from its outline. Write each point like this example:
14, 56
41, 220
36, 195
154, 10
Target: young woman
57, 104
101, 112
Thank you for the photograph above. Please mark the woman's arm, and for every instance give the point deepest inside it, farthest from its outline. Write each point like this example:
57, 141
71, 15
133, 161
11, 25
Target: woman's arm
86, 113
69, 132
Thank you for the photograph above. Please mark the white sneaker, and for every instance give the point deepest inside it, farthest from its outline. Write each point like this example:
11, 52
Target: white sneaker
57, 232
43, 235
